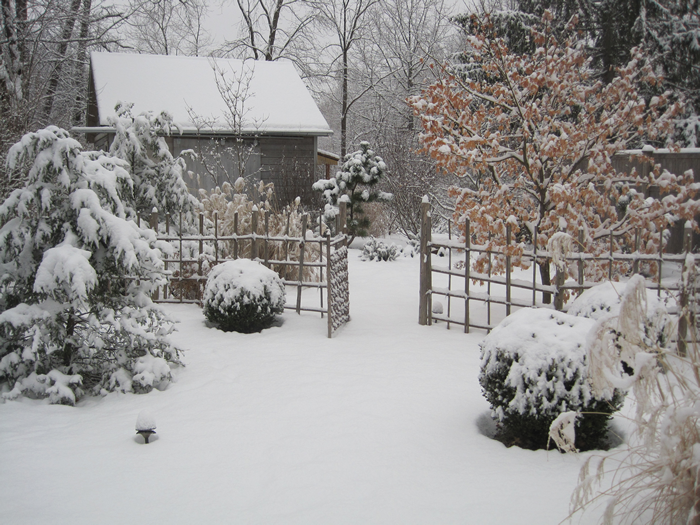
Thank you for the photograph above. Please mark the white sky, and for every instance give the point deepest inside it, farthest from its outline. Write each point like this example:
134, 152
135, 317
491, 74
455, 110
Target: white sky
224, 21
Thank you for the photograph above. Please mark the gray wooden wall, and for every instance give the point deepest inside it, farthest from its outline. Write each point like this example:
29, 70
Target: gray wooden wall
676, 163
288, 162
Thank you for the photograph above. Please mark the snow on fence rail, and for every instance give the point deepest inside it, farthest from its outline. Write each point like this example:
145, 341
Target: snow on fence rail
309, 262
457, 278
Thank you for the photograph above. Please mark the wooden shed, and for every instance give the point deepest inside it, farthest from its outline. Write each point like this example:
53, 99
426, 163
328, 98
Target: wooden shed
243, 118
677, 162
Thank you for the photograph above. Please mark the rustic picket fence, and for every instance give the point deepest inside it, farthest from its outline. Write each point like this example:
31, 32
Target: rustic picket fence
188, 274
460, 278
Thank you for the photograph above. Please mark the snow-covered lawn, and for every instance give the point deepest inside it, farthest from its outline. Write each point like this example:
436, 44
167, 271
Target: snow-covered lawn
378, 425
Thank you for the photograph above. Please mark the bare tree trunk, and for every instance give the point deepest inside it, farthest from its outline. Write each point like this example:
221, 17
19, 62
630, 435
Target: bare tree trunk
68, 26
80, 67
344, 108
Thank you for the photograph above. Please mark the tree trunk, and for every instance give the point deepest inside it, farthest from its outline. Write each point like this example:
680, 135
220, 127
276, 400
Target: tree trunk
344, 108
60, 59
79, 109
546, 280
69, 347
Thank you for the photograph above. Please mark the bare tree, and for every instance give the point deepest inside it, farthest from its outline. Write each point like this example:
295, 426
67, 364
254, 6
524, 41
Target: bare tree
272, 29
222, 160
43, 57
347, 23
169, 27
391, 63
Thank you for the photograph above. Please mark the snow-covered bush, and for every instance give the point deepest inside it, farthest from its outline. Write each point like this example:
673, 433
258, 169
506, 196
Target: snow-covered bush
375, 250
243, 296
533, 368
604, 300
77, 276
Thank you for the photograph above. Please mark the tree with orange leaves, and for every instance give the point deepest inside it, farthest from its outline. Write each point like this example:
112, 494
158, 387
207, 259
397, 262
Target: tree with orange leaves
534, 135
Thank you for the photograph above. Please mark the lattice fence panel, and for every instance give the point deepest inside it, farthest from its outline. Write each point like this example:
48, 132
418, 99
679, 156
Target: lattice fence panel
339, 291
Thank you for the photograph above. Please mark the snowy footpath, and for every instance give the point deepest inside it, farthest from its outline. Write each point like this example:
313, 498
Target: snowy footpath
379, 425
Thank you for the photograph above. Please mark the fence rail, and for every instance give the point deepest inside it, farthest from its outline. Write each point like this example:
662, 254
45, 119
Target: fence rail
458, 278
310, 262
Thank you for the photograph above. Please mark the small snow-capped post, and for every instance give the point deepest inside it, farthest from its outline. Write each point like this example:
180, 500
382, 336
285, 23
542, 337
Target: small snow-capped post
153, 223
145, 425
425, 272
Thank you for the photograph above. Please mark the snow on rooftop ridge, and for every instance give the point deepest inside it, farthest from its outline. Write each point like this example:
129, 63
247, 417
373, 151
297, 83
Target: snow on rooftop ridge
278, 101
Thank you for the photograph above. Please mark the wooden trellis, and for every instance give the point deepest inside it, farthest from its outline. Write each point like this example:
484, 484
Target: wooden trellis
460, 278
188, 273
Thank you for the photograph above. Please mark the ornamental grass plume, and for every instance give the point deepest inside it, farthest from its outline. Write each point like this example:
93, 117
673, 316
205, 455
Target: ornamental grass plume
655, 477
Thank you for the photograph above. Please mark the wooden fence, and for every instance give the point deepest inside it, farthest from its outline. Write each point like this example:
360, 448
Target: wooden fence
498, 289
310, 262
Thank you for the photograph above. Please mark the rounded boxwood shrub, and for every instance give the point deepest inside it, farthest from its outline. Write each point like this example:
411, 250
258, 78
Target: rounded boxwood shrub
533, 367
243, 296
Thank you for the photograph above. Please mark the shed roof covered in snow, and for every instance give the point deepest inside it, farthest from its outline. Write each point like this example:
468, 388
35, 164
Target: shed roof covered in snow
271, 96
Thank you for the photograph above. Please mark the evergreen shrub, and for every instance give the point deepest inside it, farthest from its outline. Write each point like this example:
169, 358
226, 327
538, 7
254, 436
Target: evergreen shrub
533, 367
243, 296
375, 250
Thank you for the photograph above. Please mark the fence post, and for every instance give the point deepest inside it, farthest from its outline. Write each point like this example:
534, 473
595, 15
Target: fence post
425, 272
235, 235
687, 317
254, 232
302, 245
508, 235
467, 268
267, 235
635, 264
199, 258
154, 227
559, 280
581, 269
167, 234
610, 268
661, 260
329, 277
216, 237
534, 268
182, 290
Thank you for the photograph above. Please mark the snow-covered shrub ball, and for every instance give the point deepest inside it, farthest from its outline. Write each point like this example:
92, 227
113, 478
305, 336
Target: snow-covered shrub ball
533, 367
243, 296
604, 300
375, 250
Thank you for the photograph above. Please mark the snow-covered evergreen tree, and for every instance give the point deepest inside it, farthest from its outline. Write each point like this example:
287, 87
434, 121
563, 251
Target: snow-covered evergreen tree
77, 276
357, 182
157, 175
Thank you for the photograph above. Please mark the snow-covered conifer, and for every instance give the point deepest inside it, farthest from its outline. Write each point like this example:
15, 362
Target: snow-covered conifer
157, 175
77, 276
360, 174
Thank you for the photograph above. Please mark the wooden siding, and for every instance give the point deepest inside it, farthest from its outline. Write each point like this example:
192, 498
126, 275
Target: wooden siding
290, 164
676, 163
218, 159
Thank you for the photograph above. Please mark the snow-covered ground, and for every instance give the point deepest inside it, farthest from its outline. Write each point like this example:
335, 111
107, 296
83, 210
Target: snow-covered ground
379, 425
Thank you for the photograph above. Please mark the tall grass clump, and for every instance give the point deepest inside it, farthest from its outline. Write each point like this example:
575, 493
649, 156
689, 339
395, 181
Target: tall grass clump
236, 205
655, 477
